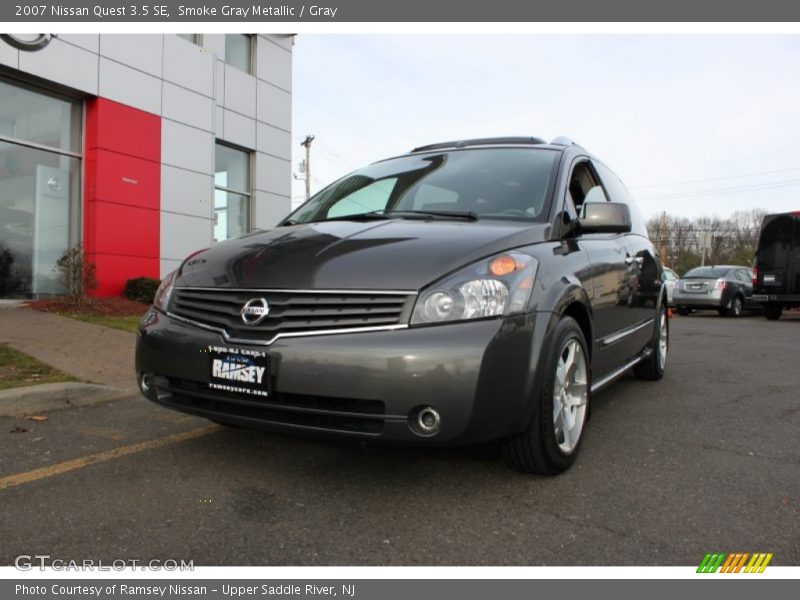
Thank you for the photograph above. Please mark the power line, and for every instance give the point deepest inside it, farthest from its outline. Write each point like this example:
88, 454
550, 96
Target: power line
333, 154
740, 176
721, 191
336, 161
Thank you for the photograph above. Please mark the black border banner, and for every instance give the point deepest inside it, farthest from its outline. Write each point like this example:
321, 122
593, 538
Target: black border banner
703, 587
438, 11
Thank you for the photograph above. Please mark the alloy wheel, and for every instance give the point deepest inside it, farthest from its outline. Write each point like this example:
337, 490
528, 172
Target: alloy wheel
570, 395
737, 307
663, 342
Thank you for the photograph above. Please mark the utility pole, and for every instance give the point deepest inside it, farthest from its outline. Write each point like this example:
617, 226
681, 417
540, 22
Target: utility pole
705, 244
306, 143
662, 238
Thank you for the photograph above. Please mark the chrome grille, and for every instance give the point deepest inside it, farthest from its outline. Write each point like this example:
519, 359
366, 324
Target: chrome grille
295, 312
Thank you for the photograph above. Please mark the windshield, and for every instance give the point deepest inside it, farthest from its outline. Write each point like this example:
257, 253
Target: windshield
706, 272
490, 183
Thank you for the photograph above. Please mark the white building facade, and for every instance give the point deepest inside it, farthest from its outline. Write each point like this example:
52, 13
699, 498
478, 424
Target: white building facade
145, 148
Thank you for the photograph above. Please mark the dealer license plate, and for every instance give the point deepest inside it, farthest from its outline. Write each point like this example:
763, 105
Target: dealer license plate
239, 370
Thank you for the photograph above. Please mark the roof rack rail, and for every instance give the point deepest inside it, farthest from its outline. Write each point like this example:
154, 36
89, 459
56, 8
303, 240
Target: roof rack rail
481, 142
563, 140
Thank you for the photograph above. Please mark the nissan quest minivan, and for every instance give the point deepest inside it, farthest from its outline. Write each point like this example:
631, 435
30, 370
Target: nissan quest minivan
464, 292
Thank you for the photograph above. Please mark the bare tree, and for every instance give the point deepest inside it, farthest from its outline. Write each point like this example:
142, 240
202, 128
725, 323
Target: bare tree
733, 240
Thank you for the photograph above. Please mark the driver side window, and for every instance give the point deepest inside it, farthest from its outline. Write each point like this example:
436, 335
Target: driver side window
584, 187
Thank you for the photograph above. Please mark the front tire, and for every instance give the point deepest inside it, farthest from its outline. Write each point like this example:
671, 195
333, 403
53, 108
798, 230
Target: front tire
652, 368
551, 442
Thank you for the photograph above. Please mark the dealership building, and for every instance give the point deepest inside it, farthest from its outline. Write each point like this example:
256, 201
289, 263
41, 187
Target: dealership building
144, 148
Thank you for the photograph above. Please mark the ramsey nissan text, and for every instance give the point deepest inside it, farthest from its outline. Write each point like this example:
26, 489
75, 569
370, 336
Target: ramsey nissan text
464, 292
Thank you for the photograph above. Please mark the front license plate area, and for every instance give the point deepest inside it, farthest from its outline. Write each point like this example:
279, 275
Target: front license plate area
239, 370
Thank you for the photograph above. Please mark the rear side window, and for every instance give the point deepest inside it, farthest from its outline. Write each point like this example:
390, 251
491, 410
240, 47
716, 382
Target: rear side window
779, 233
706, 273
619, 193
778, 241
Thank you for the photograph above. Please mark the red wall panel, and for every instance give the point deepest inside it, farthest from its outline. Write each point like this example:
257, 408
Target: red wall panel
141, 240
123, 179
116, 270
123, 129
122, 188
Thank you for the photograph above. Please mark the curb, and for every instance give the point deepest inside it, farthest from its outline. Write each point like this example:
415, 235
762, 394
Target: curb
22, 401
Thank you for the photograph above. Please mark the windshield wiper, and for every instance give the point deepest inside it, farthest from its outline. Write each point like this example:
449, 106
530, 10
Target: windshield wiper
375, 215
380, 215
434, 214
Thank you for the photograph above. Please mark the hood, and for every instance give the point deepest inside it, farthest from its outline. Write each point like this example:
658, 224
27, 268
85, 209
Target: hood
394, 254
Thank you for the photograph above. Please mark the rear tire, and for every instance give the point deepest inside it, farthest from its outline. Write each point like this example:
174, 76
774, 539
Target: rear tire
652, 368
773, 310
735, 310
550, 444
684, 311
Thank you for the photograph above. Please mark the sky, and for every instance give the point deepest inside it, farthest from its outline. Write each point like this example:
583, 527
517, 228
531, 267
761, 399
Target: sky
693, 124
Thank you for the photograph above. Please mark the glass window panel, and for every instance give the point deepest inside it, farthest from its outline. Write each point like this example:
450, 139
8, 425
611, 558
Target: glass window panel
39, 118
495, 183
433, 197
232, 169
189, 37
231, 215
39, 218
238, 51
367, 199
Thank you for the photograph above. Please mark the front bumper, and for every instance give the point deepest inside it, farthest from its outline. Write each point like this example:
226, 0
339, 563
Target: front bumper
478, 375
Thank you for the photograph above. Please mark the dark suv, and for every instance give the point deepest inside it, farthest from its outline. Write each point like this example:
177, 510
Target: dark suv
776, 277
464, 292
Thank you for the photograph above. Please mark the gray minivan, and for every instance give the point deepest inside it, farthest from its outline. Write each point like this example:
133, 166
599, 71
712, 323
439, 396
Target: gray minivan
463, 292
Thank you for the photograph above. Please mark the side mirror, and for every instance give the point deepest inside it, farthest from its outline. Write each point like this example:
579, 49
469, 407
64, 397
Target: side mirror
605, 217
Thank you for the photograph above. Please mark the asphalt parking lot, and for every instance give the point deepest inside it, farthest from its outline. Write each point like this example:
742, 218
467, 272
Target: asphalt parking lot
706, 460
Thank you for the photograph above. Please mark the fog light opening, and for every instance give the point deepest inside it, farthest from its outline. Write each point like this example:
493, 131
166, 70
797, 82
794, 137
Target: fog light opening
429, 421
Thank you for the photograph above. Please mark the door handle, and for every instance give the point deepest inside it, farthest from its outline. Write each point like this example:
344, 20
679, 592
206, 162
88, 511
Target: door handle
629, 260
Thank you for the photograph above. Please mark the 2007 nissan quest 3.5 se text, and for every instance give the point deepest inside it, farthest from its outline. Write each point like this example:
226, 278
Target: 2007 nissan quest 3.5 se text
464, 292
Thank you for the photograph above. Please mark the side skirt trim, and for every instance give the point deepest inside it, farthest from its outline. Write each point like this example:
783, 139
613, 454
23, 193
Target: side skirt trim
616, 374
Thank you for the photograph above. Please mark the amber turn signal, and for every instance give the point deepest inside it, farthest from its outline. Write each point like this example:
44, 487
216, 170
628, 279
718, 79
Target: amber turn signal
503, 265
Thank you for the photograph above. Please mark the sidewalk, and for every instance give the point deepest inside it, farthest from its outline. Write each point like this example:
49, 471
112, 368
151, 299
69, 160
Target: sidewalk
89, 352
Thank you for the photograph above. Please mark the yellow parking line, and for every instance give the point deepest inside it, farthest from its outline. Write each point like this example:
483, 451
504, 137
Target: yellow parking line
85, 461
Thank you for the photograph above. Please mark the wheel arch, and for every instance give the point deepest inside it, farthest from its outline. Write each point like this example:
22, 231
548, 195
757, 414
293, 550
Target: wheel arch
574, 302
579, 312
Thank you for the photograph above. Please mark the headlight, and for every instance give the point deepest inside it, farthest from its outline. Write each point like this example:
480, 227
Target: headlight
500, 285
164, 291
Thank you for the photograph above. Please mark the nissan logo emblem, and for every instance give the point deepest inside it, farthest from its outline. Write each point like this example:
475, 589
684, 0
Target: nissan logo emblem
255, 311
29, 43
